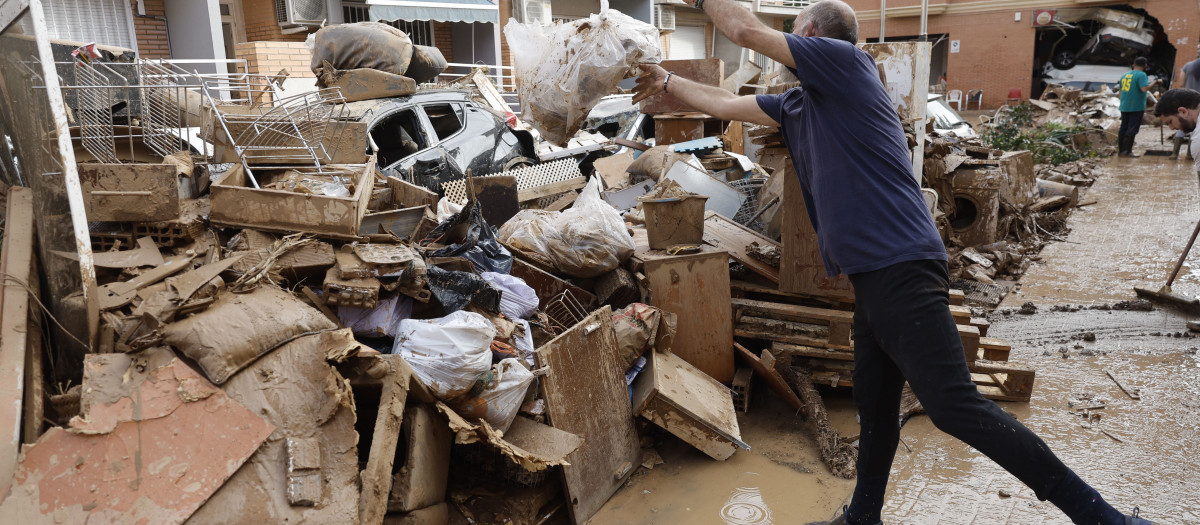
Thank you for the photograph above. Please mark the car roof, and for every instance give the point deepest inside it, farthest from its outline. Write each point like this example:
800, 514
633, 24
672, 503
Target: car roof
358, 109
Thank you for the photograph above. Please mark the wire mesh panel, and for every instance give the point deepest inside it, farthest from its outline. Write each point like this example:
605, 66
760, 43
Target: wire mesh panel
95, 111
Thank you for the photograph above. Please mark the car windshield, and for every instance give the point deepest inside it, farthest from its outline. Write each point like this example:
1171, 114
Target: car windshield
944, 117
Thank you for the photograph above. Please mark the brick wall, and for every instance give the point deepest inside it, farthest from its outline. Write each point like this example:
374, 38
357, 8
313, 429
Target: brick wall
151, 30
261, 23
443, 40
267, 58
506, 12
997, 51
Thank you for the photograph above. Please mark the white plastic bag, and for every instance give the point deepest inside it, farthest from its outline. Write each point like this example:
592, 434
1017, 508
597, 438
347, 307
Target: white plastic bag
501, 397
563, 70
448, 354
446, 209
517, 299
383, 320
587, 240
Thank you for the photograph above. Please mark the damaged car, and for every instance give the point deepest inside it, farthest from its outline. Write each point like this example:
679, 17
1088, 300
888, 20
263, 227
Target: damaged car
435, 136
1092, 47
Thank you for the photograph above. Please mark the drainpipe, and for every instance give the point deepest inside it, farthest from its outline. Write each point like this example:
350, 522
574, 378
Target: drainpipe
924, 20
882, 20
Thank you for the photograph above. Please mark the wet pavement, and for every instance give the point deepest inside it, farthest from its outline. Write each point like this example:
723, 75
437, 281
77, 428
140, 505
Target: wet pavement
1137, 453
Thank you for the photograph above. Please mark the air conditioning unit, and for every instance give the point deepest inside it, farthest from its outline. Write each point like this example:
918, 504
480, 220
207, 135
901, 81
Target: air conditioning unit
534, 11
664, 17
301, 12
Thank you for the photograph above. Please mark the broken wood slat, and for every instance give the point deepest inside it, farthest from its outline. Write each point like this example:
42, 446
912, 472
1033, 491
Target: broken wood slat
771, 376
377, 476
785, 332
997, 381
561, 203
732, 237
689, 404
793, 351
748, 290
839, 322
586, 395
994, 349
553, 188
1133, 393
961, 314
408, 195
957, 297
16, 263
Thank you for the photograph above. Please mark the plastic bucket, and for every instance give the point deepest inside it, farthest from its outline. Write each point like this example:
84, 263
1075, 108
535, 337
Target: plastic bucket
674, 221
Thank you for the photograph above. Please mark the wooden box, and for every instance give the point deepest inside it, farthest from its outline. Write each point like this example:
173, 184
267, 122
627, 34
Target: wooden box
687, 403
696, 288
236, 203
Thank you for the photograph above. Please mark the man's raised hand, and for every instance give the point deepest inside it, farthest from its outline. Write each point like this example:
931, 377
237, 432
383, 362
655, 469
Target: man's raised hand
649, 83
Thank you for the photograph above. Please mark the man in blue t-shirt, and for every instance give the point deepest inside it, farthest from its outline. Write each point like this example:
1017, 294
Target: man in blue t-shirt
851, 156
1133, 87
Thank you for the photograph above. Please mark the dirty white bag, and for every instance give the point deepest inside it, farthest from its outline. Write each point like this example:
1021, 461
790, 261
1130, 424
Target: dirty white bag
517, 299
527, 230
447, 209
563, 70
501, 396
449, 354
383, 320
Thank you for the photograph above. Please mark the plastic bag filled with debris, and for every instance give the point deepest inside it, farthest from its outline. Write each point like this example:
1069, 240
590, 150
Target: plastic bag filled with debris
469, 236
587, 240
449, 354
563, 70
499, 395
372, 45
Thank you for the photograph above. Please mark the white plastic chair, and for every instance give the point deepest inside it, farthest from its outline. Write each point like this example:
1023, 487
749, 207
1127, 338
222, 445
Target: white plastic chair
975, 95
954, 96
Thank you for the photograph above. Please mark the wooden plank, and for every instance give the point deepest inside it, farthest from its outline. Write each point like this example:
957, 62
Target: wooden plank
408, 195
696, 288
733, 138
840, 322
401, 223
750, 290
994, 349
377, 476
687, 403
801, 268
16, 263
35, 381
553, 188
586, 395
771, 376
957, 297
793, 350
708, 71
1133, 393
724, 234
982, 324
961, 314
970, 341
561, 203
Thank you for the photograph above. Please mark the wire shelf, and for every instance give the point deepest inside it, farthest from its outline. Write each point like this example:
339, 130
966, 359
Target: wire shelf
95, 111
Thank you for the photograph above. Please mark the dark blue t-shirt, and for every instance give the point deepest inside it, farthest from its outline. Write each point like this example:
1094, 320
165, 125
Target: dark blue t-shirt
852, 158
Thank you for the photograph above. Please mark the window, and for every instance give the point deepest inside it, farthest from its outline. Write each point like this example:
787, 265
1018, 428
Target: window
398, 135
419, 31
107, 22
446, 119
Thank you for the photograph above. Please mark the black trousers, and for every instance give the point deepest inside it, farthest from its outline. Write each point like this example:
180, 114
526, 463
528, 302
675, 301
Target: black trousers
903, 330
1131, 122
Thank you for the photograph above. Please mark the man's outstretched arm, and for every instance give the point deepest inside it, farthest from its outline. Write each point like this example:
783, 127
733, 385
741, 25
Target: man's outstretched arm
743, 28
704, 98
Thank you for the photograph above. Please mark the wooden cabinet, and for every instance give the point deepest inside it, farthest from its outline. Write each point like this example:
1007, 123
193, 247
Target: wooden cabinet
696, 288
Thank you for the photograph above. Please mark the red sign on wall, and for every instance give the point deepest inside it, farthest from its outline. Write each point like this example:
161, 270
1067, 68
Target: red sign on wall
1043, 17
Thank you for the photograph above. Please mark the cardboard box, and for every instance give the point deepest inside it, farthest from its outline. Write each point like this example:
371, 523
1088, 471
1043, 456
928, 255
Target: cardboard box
235, 202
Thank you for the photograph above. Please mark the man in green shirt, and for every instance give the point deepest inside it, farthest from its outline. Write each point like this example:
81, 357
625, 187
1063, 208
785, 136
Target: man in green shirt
1134, 86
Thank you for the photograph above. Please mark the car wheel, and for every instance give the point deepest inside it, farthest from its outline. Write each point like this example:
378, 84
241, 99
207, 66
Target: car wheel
1064, 60
518, 162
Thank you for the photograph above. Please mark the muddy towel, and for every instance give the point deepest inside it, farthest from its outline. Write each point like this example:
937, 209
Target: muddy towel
563, 70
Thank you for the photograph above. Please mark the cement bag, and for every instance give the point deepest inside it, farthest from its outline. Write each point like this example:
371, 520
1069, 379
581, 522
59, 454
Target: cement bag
500, 396
448, 354
238, 328
517, 299
362, 45
590, 238
563, 70
426, 64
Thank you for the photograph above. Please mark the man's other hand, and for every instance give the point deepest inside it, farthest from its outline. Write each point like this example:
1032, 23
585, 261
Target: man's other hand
650, 82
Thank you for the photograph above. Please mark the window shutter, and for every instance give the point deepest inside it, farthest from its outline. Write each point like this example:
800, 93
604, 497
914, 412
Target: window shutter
105, 22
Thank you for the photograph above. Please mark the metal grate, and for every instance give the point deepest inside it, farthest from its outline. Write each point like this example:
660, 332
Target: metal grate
528, 177
94, 111
980, 294
565, 311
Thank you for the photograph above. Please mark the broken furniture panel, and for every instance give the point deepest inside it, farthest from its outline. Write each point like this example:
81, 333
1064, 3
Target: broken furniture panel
130, 192
420, 481
497, 195
17, 265
408, 195
707, 71
696, 288
399, 223
801, 268
154, 442
547, 286
724, 234
295, 389
586, 395
531, 445
673, 128
687, 403
236, 202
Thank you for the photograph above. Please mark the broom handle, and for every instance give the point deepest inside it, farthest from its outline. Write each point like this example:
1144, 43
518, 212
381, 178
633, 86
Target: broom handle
1183, 256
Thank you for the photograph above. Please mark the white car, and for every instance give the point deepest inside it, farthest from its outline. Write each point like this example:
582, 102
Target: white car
1087, 77
946, 120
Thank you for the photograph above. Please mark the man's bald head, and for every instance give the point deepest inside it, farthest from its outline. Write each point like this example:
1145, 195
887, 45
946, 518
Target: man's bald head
830, 19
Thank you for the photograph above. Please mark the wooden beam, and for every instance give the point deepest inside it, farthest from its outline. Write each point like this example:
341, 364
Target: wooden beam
16, 263
772, 377
839, 322
377, 476
553, 188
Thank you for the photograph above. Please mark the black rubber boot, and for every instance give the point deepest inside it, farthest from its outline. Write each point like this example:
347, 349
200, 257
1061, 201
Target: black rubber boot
839, 518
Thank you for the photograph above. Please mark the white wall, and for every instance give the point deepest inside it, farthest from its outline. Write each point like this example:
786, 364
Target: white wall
194, 29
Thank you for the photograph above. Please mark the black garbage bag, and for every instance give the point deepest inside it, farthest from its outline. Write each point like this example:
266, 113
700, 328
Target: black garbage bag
472, 239
457, 289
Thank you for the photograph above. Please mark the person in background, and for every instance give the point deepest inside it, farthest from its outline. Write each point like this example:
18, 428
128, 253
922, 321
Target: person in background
1134, 86
1191, 80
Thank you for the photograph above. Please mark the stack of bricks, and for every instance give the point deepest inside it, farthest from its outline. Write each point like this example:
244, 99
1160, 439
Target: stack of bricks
267, 58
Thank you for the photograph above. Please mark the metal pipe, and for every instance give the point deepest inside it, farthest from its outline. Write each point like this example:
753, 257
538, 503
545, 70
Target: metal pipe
882, 20
924, 20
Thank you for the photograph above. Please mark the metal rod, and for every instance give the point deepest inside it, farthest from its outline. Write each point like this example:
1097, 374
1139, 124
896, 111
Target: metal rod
1183, 256
882, 20
924, 20
83, 243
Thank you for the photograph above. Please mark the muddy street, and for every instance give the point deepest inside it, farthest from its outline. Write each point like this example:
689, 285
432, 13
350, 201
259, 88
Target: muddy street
1135, 452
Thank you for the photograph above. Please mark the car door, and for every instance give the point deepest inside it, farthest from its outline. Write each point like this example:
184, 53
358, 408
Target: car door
408, 148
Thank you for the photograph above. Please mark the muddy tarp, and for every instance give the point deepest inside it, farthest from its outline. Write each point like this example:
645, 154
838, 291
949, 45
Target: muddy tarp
371, 45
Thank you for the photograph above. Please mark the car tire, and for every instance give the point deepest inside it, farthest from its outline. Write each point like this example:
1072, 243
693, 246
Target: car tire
1064, 60
518, 162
